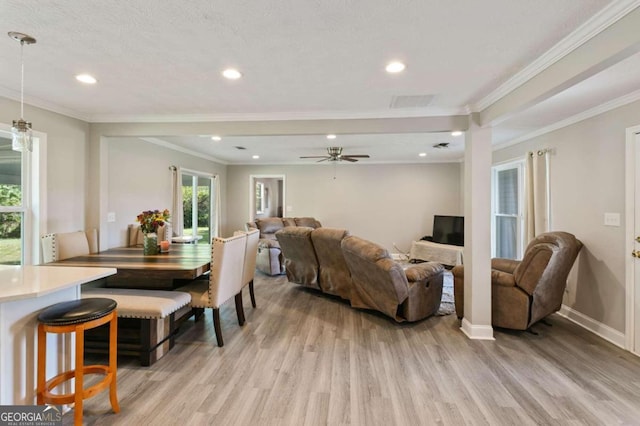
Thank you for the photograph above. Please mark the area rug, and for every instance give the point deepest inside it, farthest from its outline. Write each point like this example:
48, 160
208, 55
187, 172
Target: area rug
447, 305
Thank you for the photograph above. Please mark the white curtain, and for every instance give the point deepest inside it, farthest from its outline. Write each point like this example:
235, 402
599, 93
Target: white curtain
537, 194
177, 220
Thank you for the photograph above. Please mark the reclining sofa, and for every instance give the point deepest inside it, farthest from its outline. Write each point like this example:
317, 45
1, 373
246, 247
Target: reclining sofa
337, 263
269, 259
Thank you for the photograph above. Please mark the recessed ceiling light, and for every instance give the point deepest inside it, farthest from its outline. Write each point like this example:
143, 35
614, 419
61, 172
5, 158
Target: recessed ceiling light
395, 67
216, 138
255, 157
456, 133
86, 78
232, 74
331, 136
423, 154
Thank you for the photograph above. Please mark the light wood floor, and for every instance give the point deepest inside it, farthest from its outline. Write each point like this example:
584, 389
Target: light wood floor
306, 359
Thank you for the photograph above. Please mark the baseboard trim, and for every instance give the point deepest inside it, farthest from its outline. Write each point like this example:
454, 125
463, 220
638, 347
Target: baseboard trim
607, 333
477, 332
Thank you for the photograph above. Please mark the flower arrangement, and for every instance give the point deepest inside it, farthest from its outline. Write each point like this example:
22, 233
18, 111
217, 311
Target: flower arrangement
150, 220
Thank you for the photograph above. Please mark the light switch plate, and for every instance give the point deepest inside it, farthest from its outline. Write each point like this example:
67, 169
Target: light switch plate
289, 209
612, 219
111, 217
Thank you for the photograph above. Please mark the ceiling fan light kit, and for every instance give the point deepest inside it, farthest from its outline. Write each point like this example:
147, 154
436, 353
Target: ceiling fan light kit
334, 153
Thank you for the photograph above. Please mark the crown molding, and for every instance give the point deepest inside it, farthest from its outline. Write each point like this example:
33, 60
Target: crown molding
600, 109
39, 103
592, 27
279, 116
163, 143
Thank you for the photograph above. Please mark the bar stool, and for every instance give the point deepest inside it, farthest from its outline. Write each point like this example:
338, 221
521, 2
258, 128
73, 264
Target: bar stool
77, 316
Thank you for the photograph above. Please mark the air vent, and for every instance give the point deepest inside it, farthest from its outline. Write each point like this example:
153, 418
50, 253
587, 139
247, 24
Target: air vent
441, 145
414, 101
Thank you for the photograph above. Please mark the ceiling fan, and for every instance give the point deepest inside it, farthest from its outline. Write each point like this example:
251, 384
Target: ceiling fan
334, 153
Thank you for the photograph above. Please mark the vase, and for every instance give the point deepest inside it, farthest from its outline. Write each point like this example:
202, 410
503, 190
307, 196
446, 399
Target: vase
150, 243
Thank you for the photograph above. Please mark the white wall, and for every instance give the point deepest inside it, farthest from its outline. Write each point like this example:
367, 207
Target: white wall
587, 179
140, 179
67, 153
383, 203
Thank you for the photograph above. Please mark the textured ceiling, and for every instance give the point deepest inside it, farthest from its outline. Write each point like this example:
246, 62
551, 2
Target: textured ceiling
299, 58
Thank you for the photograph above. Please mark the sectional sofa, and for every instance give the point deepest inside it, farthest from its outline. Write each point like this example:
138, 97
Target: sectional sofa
360, 271
269, 259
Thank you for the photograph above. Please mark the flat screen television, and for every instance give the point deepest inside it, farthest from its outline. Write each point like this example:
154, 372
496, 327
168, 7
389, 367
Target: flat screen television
448, 230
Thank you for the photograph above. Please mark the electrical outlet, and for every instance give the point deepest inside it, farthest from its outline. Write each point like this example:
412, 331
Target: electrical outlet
612, 219
111, 217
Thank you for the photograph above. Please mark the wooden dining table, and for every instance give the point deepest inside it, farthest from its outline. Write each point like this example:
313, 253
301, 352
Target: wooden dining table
162, 271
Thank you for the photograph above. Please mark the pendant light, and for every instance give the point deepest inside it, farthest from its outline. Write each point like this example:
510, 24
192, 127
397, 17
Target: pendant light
22, 137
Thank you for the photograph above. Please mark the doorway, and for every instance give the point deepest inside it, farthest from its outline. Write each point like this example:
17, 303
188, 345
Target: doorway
266, 196
199, 205
632, 240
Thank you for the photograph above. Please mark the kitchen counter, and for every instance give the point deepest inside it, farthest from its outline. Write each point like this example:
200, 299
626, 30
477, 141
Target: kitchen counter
25, 282
24, 292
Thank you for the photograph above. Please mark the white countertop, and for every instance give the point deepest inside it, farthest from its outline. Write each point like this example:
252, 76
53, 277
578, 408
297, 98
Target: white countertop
24, 282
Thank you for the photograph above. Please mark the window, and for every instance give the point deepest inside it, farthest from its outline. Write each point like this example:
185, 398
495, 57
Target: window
260, 198
12, 205
507, 210
198, 200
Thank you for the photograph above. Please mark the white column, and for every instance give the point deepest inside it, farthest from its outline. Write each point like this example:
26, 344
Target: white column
476, 323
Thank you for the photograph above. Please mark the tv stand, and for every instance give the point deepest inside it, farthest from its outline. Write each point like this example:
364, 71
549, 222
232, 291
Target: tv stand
445, 254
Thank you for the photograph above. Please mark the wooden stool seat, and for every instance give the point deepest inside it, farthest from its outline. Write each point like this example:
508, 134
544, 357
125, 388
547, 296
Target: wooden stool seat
74, 317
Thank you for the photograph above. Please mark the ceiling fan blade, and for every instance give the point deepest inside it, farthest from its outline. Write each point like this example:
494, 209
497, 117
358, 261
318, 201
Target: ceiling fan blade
335, 155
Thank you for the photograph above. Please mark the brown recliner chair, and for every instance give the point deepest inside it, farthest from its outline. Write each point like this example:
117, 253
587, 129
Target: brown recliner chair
524, 292
270, 259
382, 284
300, 261
333, 275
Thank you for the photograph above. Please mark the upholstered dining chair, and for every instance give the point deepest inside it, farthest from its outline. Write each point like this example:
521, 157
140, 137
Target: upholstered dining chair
64, 245
225, 280
250, 256
135, 237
